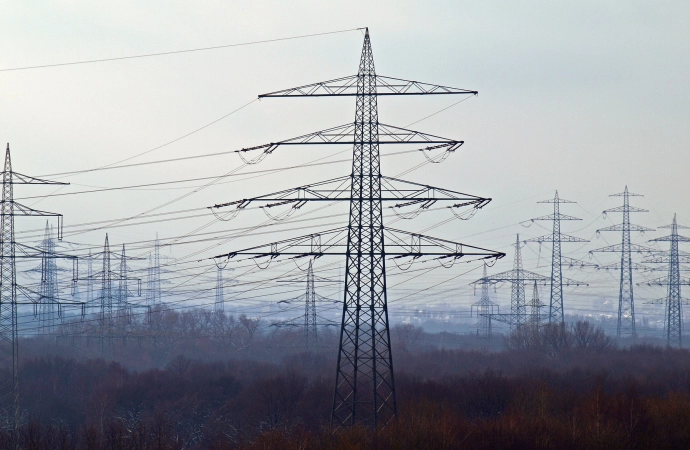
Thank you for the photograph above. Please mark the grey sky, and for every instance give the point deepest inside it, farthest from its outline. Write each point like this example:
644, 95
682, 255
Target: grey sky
584, 97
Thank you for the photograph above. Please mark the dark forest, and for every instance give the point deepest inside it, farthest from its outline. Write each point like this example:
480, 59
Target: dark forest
198, 380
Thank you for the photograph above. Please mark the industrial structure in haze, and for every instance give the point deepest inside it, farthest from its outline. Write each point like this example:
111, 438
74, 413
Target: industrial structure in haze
556, 238
365, 385
626, 300
673, 319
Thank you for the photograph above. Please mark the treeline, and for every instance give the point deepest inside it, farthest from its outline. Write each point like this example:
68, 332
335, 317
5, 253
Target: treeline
557, 387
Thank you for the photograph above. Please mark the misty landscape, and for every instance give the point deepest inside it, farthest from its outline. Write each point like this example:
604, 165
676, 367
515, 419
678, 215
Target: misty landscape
201, 249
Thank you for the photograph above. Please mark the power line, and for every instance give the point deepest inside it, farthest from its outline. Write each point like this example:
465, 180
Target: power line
173, 52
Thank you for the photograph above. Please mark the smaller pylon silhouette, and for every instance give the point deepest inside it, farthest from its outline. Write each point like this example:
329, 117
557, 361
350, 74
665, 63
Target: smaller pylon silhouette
219, 305
517, 278
485, 309
673, 320
153, 291
310, 337
626, 301
556, 313
535, 308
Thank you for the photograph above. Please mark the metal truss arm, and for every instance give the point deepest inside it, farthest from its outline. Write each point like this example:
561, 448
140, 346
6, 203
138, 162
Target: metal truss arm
339, 189
617, 248
631, 227
347, 86
400, 244
563, 238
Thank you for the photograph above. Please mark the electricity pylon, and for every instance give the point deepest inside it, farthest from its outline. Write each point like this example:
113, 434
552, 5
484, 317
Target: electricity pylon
535, 308
49, 298
673, 320
112, 301
517, 278
310, 309
557, 238
310, 320
485, 309
219, 305
626, 301
9, 344
365, 386
153, 291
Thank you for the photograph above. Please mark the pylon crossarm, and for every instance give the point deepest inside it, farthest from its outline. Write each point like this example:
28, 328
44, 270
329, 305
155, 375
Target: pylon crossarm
624, 209
345, 135
28, 251
617, 248
512, 276
347, 86
563, 238
558, 216
630, 227
682, 259
401, 243
634, 266
334, 242
18, 178
664, 281
576, 263
406, 193
676, 238
663, 300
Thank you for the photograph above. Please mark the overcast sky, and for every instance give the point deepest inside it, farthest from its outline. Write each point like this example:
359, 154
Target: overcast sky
584, 97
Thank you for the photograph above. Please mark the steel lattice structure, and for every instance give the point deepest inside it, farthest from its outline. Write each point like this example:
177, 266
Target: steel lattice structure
626, 301
365, 387
219, 304
517, 278
113, 302
153, 288
9, 345
557, 238
535, 308
485, 309
309, 321
673, 320
310, 336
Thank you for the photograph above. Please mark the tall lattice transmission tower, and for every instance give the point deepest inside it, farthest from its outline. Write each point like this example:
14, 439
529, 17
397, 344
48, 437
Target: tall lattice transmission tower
557, 259
365, 386
485, 309
626, 301
9, 345
673, 318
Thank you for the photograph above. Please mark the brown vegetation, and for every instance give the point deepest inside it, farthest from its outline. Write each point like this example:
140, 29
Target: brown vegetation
560, 387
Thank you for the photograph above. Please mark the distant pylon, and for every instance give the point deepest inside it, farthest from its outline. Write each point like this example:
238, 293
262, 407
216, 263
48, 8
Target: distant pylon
485, 308
674, 314
517, 293
516, 277
106, 314
556, 238
310, 336
219, 305
535, 307
626, 301
154, 275
89, 281
49, 284
122, 293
